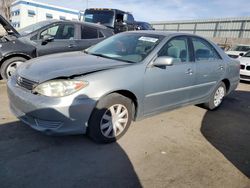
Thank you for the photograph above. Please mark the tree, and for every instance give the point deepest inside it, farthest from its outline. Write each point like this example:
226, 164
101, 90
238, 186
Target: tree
5, 8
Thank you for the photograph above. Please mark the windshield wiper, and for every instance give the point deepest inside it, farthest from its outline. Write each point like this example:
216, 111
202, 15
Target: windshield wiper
105, 56
99, 55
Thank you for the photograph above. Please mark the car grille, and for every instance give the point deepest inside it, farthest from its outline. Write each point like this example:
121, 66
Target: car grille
25, 83
47, 124
233, 56
242, 66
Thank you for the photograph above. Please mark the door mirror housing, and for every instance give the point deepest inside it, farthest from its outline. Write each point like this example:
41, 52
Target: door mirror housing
241, 54
163, 61
47, 38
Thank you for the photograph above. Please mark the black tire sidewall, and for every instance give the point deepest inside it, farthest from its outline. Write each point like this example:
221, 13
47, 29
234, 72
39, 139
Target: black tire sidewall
94, 130
6, 63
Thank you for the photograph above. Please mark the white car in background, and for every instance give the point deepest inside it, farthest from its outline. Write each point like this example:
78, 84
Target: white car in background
238, 50
245, 66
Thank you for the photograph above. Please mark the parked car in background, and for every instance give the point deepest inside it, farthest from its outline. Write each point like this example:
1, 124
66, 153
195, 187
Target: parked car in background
143, 26
46, 37
238, 50
115, 19
126, 77
245, 67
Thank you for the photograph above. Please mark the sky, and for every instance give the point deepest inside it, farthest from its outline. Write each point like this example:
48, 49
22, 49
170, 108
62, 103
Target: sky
165, 10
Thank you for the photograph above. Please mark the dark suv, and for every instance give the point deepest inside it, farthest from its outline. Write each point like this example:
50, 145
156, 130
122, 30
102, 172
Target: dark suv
115, 19
46, 37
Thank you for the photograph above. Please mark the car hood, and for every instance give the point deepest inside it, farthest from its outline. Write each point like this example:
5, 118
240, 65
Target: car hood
8, 27
244, 60
230, 52
63, 65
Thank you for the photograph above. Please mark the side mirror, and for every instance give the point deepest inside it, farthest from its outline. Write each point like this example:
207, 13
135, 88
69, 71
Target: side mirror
163, 61
241, 54
46, 39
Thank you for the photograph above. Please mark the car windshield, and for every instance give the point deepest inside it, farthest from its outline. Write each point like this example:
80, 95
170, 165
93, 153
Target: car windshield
105, 17
241, 48
29, 29
247, 54
128, 47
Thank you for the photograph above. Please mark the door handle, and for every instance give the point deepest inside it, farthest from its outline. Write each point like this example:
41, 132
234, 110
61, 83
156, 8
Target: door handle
71, 45
220, 67
189, 72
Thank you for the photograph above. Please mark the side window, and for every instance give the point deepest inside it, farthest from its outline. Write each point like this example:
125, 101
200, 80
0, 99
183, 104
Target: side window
176, 48
34, 37
204, 51
100, 35
89, 33
60, 32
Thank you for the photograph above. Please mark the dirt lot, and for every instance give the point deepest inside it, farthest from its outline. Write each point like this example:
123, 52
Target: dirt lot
188, 147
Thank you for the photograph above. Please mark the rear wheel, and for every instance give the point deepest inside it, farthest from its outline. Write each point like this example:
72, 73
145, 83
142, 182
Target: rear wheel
216, 97
110, 119
9, 66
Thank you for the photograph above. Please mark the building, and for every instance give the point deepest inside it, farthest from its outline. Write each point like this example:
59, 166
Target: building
26, 12
223, 30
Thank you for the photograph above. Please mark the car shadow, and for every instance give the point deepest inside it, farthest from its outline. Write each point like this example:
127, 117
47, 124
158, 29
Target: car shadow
228, 129
31, 159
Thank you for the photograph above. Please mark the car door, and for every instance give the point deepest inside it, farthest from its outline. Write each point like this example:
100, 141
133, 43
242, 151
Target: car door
62, 39
209, 66
170, 86
89, 36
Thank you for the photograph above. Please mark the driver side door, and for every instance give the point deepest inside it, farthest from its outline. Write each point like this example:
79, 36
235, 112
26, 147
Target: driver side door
170, 86
64, 39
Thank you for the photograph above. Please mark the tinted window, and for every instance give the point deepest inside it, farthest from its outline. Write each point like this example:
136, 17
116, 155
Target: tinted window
176, 48
62, 31
105, 17
34, 37
100, 35
89, 33
204, 51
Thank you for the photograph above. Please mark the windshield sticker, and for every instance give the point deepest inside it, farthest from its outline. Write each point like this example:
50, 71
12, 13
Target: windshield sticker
148, 39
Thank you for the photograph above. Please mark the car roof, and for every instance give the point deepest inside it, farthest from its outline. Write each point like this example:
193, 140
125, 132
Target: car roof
163, 33
79, 22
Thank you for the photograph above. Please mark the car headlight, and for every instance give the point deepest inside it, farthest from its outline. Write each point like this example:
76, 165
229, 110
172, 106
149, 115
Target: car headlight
59, 88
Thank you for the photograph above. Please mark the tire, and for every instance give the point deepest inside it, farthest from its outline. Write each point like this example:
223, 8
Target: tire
216, 97
102, 121
9, 66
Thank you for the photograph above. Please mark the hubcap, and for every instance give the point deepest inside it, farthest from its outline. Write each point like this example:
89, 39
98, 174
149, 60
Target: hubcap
114, 121
218, 96
12, 68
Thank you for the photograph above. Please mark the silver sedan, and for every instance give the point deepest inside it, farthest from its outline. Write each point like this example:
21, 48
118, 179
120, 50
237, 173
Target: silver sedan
126, 77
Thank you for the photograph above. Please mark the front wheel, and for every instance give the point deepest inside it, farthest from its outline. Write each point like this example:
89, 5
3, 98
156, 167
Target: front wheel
216, 97
110, 119
10, 65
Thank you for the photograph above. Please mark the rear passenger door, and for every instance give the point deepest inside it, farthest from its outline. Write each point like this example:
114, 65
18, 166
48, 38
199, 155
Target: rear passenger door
64, 39
89, 36
209, 65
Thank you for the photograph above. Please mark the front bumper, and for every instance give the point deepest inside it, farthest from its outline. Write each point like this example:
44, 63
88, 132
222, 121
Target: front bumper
65, 115
245, 75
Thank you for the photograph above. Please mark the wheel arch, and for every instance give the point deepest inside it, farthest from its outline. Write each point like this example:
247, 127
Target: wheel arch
131, 96
227, 84
6, 57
